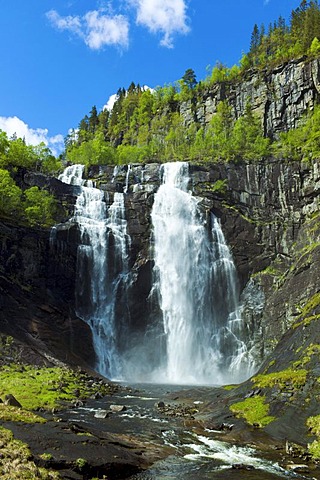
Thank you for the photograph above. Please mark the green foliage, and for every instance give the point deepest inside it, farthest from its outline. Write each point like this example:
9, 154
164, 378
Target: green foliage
10, 196
303, 142
189, 79
284, 42
313, 423
81, 463
33, 206
254, 410
92, 152
247, 139
309, 352
314, 50
220, 186
147, 126
40, 207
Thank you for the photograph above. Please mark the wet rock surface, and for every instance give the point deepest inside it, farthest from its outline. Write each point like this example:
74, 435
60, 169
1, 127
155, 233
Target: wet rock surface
144, 439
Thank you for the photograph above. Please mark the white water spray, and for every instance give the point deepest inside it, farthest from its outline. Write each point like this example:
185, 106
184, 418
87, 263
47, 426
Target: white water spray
100, 275
197, 335
196, 282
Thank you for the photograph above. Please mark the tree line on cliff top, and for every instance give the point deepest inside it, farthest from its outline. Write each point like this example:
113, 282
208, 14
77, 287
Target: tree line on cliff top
146, 125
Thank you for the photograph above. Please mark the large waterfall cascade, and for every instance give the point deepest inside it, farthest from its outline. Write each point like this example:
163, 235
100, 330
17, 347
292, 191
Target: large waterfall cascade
198, 337
196, 281
99, 276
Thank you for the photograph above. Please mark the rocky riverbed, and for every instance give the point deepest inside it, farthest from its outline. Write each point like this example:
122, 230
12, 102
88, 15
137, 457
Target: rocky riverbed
140, 432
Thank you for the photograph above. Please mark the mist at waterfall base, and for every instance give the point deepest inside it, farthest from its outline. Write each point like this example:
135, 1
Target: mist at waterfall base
198, 337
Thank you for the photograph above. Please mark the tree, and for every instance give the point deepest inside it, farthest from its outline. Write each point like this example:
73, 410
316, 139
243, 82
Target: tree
21, 155
315, 47
93, 120
255, 39
189, 79
40, 207
4, 145
10, 196
247, 140
92, 152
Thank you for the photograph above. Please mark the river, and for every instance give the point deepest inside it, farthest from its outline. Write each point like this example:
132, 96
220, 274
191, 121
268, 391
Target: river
189, 451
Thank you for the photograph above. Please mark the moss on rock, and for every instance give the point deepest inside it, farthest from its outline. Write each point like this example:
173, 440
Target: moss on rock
254, 410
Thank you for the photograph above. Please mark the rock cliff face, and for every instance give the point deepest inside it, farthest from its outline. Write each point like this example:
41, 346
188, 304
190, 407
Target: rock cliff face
279, 97
268, 212
37, 286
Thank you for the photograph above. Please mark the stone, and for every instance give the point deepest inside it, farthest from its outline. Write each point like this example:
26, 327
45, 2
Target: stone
9, 399
101, 414
298, 468
118, 408
242, 466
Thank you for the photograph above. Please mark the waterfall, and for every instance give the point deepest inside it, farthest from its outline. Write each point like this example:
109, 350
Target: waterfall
196, 283
195, 333
101, 270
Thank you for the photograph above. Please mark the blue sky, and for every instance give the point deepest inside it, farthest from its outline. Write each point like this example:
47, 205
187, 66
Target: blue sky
61, 57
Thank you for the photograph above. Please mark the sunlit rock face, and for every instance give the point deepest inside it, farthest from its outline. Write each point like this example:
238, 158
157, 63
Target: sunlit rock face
280, 97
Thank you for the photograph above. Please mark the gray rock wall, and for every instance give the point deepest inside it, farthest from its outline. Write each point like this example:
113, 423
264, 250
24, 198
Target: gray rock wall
264, 209
267, 211
280, 97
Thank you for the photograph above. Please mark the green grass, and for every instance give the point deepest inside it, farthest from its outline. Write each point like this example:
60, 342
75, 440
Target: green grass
45, 387
309, 352
230, 387
14, 414
306, 321
310, 306
254, 410
16, 463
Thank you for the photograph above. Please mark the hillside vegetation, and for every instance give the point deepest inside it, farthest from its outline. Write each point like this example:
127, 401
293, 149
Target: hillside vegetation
30, 206
146, 125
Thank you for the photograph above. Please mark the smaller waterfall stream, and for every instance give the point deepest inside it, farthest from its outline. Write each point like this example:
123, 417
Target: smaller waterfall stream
100, 276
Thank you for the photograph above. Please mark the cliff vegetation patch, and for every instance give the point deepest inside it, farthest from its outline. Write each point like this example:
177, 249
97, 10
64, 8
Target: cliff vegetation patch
47, 388
290, 377
254, 410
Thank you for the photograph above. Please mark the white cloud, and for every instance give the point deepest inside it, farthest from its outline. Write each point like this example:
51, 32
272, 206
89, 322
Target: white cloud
113, 98
73, 24
103, 30
16, 126
166, 16
94, 28
111, 101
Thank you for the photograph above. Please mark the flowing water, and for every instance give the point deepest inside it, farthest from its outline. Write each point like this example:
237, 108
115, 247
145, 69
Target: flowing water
189, 454
196, 283
198, 335
100, 276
